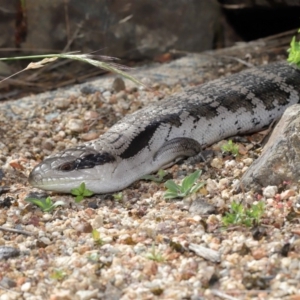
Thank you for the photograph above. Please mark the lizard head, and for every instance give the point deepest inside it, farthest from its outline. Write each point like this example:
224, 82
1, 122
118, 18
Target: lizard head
68, 169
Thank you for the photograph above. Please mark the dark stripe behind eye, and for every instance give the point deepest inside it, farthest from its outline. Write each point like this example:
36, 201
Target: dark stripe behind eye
87, 162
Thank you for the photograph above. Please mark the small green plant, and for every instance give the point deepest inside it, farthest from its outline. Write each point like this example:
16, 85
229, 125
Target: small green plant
45, 204
294, 52
239, 215
231, 147
96, 237
156, 178
58, 274
155, 255
188, 186
81, 192
118, 196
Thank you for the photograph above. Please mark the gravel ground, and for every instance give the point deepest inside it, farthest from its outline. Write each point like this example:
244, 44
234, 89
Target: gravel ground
148, 247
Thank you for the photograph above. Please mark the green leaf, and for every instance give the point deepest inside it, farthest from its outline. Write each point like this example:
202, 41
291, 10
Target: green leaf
172, 186
196, 187
294, 52
81, 192
78, 198
156, 178
118, 196
45, 204
170, 195
188, 181
75, 192
242, 216
88, 193
82, 187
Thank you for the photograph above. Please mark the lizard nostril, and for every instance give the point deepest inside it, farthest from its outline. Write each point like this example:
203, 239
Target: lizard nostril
35, 176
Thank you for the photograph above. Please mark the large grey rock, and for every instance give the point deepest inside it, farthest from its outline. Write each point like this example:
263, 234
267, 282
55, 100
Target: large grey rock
121, 28
280, 160
242, 4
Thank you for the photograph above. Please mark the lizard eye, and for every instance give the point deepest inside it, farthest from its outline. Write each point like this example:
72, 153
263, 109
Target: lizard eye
69, 166
88, 161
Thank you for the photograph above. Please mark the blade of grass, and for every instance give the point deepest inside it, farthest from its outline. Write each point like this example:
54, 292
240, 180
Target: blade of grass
87, 58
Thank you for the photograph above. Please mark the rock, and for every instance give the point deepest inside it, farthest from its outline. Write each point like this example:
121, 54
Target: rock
8, 283
49, 144
26, 286
87, 295
106, 94
217, 163
62, 295
223, 183
241, 4
8, 252
211, 186
270, 191
90, 136
83, 227
201, 207
206, 253
62, 103
287, 194
118, 84
91, 115
121, 96
280, 160
75, 125
248, 161
131, 29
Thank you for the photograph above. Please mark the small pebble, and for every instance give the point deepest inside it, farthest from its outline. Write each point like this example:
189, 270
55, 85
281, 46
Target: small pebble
75, 125
118, 84
26, 287
48, 144
237, 173
90, 115
287, 194
62, 295
230, 164
225, 194
270, 191
106, 94
83, 227
97, 222
36, 141
62, 103
87, 295
217, 163
89, 136
89, 89
60, 146
8, 252
7, 282
121, 95
211, 186
223, 183
248, 161
201, 207
45, 240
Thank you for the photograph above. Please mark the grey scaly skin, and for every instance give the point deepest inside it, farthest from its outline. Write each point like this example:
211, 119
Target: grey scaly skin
180, 126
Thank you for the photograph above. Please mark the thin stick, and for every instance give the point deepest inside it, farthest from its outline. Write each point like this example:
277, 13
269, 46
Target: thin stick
16, 231
222, 295
9, 290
